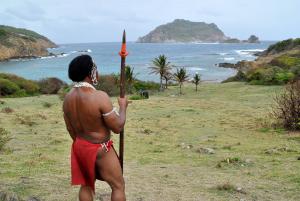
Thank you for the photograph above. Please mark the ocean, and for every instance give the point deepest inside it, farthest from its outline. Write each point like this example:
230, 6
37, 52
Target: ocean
195, 57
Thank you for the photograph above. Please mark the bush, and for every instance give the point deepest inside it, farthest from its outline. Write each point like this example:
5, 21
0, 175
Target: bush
265, 76
146, 85
296, 71
7, 87
63, 91
50, 85
239, 77
109, 84
285, 61
280, 46
287, 107
136, 97
28, 87
284, 77
3, 34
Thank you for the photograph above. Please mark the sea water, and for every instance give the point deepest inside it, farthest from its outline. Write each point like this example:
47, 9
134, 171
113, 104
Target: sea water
201, 58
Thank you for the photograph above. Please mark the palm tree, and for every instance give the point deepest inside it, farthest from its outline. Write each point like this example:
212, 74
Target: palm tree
181, 76
161, 67
130, 77
167, 76
196, 80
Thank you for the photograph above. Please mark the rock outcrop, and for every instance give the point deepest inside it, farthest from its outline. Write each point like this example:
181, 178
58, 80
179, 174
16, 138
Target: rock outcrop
184, 31
253, 39
22, 43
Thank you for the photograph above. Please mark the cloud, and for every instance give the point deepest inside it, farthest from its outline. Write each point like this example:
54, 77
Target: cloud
26, 11
101, 20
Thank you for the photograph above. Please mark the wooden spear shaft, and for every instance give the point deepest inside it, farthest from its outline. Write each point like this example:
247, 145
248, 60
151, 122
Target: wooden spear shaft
123, 53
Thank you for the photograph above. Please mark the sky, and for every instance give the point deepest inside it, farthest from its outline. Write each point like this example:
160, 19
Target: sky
82, 21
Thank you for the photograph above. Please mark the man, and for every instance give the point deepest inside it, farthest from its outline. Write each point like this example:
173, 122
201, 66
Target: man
90, 118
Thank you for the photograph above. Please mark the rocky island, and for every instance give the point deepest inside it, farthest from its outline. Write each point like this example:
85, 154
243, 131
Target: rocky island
22, 43
186, 31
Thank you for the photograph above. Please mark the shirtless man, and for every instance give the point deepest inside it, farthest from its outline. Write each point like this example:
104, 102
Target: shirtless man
90, 118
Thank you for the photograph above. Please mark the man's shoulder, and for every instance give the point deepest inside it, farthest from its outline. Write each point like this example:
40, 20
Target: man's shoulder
101, 94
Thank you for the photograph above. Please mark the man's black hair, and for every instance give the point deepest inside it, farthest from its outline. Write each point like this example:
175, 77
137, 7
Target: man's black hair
80, 67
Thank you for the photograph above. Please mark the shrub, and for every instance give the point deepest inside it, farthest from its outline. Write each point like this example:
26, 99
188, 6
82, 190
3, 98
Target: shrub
284, 77
109, 84
287, 107
3, 34
50, 85
7, 87
296, 71
239, 77
28, 87
285, 61
280, 46
146, 85
265, 76
63, 91
136, 97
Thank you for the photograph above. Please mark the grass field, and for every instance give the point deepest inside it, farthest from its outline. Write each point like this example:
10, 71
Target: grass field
216, 144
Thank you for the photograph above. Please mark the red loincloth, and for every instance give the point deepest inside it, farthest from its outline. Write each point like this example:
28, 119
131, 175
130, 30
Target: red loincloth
83, 161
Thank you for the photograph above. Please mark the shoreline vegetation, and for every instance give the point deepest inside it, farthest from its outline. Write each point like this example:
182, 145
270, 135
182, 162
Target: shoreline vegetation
277, 65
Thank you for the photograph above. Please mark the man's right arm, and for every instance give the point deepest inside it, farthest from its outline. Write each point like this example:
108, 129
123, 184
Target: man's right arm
113, 121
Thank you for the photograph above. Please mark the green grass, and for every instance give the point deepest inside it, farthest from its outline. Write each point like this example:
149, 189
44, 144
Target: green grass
232, 119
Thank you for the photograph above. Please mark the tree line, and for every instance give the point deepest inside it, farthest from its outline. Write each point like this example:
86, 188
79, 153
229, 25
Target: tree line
164, 68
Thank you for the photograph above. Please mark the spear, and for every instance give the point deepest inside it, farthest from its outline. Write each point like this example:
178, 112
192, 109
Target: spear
123, 53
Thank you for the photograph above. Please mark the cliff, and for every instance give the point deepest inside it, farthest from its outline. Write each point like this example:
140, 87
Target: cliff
184, 31
22, 43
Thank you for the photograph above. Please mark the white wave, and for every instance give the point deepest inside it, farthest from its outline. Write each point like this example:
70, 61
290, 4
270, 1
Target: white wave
196, 69
223, 53
47, 57
229, 58
248, 51
55, 56
63, 55
80, 51
203, 43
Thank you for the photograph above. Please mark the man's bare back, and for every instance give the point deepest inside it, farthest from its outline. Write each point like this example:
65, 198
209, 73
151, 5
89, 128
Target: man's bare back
82, 108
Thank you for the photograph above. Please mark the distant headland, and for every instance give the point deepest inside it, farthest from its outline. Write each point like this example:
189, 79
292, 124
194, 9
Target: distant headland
22, 43
186, 31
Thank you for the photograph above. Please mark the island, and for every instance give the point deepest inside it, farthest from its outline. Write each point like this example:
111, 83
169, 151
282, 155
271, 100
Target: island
18, 43
185, 31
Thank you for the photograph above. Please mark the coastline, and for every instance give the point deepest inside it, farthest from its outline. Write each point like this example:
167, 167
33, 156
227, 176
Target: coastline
201, 58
